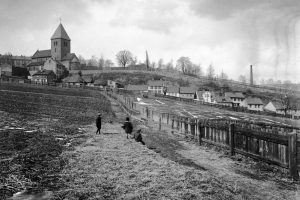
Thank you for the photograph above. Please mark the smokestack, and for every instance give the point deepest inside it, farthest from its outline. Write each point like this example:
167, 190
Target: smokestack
251, 75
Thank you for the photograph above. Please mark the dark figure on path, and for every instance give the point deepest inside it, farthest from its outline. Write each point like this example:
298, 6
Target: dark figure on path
138, 136
127, 126
98, 123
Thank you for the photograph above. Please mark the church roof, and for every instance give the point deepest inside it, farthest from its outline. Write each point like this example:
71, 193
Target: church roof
69, 56
60, 33
42, 54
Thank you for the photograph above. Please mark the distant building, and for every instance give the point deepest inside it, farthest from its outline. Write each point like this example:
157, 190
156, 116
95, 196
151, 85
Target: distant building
173, 91
74, 79
113, 84
159, 86
187, 92
206, 96
15, 61
6, 69
156, 86
59, 54
237, 98
9, 70
44, 77
222, 100
50, 64
136, 88
275, 107
254, 104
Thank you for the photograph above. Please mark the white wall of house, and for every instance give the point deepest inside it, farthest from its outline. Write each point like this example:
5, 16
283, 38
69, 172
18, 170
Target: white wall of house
208, 97
51, 64
255, 107
187, 96
174, 94
156, 89
239, 101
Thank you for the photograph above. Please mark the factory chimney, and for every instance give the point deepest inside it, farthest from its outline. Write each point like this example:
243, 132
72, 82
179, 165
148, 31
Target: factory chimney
251, 75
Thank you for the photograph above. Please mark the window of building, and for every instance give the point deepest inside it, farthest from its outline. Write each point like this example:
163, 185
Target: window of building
55, 49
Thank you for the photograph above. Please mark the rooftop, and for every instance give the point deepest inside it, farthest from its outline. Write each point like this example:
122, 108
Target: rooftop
254, 101
60, 33
234, 95
43, 72
136, 87
173, 89
42, 54
186, 90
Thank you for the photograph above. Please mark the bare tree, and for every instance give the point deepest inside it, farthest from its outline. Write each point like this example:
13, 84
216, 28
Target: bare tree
133, 61
184, 64
93, 61
242, 79
170, 65
153, 65
210, 71
81, 59
101, 62
124, 57
270, 81
108, 64
160, 63
223, 75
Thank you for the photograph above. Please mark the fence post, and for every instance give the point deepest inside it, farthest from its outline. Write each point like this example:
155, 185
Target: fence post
193, 125
173, 118
159, 126
232, 139
292, 149
200, 133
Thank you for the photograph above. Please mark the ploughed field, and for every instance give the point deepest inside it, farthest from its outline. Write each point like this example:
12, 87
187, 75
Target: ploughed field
36, 125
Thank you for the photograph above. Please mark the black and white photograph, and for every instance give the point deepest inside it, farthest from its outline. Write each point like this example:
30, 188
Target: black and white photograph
149, 99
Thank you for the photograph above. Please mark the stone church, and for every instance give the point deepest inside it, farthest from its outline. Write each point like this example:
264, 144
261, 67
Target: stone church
58, 59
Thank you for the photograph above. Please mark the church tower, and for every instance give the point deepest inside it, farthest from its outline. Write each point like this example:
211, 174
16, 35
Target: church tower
60, 43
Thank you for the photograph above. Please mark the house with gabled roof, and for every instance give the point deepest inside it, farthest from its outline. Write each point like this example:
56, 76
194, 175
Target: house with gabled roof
187, 92
223, 100
173, 91
254, 103
274, 106
44, 77
206, 96
136, 88
237, 98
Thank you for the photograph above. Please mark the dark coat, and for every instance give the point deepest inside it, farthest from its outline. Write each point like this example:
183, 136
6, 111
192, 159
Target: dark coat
127, 127
98, 122
138, 136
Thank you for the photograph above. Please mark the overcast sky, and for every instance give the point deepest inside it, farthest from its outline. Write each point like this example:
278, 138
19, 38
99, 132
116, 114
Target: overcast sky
230, 34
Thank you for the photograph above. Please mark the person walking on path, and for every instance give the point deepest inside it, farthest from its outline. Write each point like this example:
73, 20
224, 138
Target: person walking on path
98, 123
127, 126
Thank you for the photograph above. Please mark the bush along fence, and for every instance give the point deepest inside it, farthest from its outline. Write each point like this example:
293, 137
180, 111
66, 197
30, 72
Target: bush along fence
272, 144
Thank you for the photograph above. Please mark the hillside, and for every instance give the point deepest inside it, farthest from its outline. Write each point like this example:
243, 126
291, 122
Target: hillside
141, 77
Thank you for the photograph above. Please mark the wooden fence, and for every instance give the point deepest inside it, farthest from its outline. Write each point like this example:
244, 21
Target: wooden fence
272, 144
